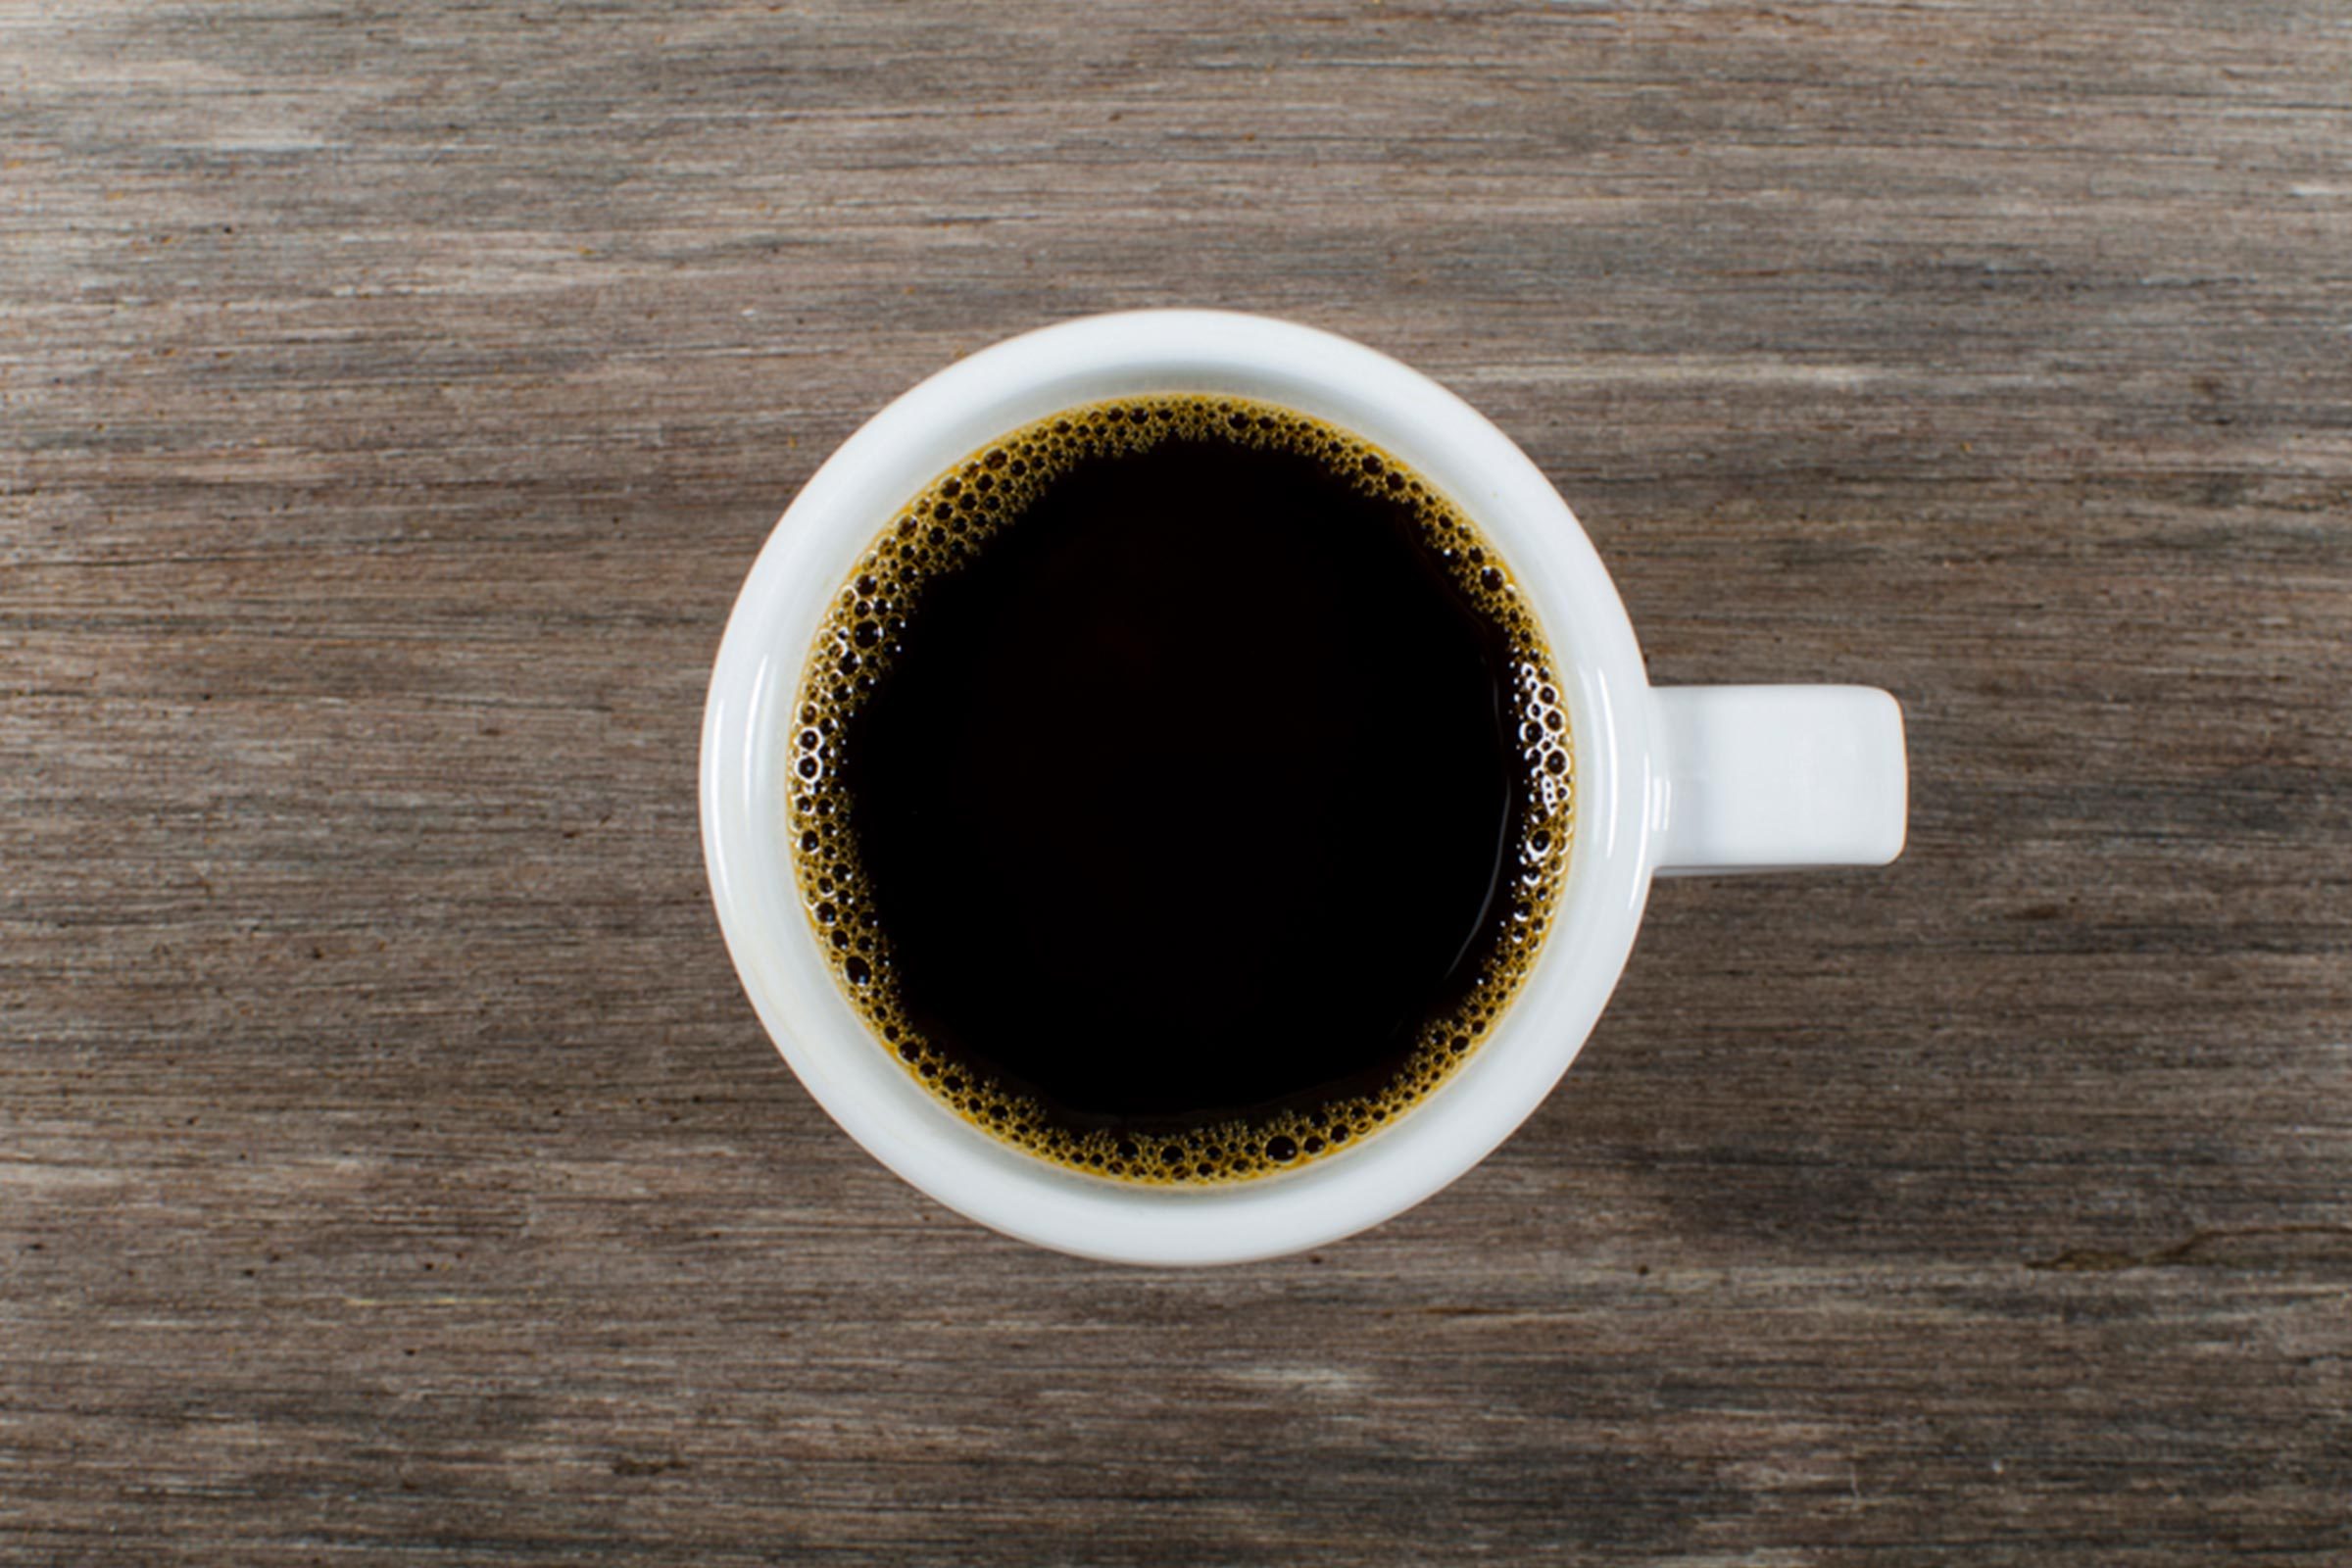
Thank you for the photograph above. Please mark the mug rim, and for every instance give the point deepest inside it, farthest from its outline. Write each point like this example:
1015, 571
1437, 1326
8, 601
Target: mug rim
748, 721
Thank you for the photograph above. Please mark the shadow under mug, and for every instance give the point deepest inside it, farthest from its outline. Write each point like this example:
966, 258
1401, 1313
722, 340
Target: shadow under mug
1673, 781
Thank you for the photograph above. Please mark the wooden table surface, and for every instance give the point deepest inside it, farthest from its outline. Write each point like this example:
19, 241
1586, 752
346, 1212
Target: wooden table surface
392, 398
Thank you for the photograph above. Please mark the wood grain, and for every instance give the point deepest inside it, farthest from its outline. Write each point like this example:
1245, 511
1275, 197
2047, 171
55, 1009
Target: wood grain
392, 398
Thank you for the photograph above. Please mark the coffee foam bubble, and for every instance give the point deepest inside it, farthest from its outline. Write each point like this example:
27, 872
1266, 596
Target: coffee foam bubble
946, 525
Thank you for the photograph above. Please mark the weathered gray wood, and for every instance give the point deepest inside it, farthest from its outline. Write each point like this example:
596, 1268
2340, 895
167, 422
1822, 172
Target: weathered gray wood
391, 398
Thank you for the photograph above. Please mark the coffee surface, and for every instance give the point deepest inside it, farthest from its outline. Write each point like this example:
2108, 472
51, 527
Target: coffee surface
1181, 788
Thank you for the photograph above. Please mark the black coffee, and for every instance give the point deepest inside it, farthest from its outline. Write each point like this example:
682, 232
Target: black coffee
1182, 787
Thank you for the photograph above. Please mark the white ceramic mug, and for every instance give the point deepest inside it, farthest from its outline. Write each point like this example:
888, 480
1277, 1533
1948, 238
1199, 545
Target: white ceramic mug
1669, 782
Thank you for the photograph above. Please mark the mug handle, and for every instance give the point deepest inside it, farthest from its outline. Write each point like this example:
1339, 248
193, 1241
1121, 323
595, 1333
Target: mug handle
1777, 778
